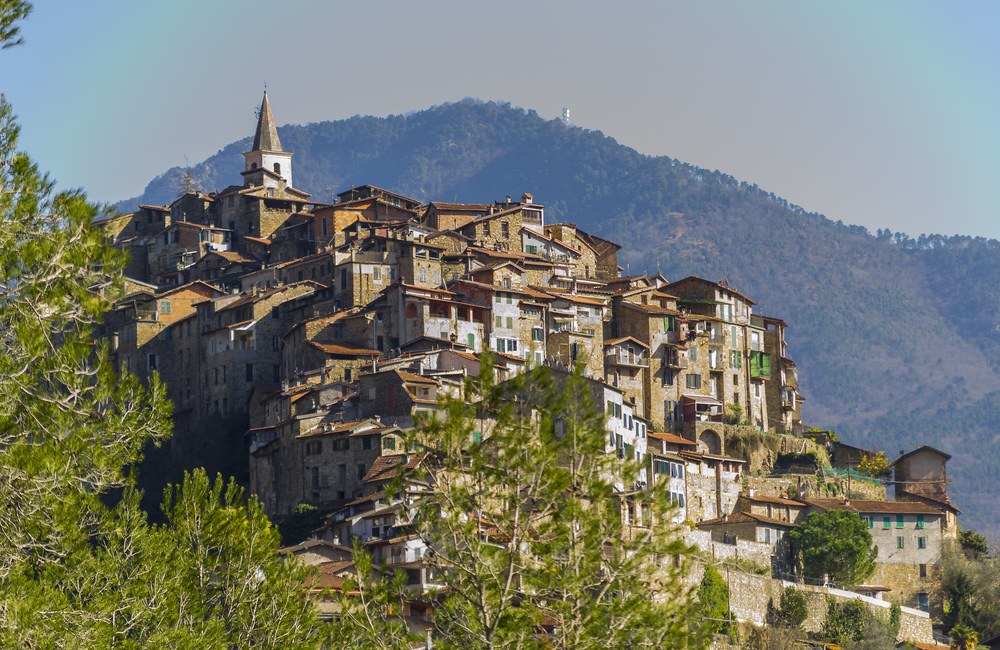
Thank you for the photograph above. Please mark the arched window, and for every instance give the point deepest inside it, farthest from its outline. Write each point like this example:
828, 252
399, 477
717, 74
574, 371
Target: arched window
253, 165
277, 168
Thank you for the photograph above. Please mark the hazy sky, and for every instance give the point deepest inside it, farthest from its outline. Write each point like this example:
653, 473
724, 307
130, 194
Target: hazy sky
877, 112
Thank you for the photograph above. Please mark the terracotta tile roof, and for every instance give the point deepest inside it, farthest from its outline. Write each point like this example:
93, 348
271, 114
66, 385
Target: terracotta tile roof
371, 497
888, 507
312, 543
693, 455
344, 349
745, 517
326, 575
735, 518
386, 467
671, 438
696, 279
232, 256
651, 309
623, 339
257, 240
767, 498
923, 448
770, 521
414, 378
483, 207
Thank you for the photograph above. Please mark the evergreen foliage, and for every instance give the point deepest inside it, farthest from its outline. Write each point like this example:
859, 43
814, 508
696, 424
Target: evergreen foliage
971, 586
792, 611
80, 564
526, 525
713, 601
835, 543
973, 544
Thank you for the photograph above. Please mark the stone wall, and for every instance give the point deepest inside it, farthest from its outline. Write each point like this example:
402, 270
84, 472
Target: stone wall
751, 595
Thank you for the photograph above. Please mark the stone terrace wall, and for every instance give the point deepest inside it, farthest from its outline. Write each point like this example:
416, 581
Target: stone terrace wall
751, 594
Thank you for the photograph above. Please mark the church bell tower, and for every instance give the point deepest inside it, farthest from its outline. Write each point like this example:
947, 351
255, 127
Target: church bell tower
267, 164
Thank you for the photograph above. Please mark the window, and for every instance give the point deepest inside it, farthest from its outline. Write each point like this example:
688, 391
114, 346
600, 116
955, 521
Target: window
693, 381
366, 442
668, 377
899, 542
151, 360
314, 447
499, 296
921, 543
923, 570
886, 523
899, 521
537, 334
377, 274
920, 522
275, 313
249, 372
922, 601
389, 442
871, 521
164, 306
497, 322
277, 168
361, 471
343, 278
315, 478
693, 353
670, 410
342, 473
510, 322
505, 229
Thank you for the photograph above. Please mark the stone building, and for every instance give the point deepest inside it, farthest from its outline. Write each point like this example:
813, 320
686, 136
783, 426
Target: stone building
921, 476
908, 537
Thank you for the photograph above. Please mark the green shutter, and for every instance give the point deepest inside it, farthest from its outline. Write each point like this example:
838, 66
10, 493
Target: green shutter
899, 521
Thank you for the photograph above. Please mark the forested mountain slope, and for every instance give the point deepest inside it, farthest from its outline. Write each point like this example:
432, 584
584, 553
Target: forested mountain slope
896, 339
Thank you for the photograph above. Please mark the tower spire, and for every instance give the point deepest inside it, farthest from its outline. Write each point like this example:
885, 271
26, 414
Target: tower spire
266, 137
267, 163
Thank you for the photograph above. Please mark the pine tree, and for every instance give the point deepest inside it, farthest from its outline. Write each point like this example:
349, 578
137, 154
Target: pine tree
80, 566
524, 516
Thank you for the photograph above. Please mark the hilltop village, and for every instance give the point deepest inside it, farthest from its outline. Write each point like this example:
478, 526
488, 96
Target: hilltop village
329, 327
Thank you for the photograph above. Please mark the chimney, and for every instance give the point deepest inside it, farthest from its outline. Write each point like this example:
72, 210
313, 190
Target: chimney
527, 198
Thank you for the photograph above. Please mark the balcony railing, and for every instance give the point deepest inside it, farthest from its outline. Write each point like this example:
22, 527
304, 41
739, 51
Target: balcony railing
760, 365
621, 358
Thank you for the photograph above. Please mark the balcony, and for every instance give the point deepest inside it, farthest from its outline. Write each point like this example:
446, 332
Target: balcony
619, 357
760, 365
675, 361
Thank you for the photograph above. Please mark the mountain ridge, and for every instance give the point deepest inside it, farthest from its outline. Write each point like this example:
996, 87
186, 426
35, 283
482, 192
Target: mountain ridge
890, 350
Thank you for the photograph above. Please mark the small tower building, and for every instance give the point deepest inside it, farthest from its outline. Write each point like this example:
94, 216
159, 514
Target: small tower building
267, 164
